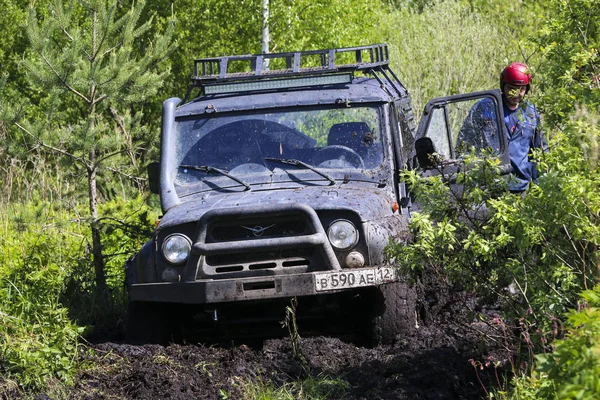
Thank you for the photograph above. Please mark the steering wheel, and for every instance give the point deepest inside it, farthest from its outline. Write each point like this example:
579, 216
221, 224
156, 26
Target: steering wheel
336, 152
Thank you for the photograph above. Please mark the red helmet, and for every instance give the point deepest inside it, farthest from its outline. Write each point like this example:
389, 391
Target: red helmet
516, 74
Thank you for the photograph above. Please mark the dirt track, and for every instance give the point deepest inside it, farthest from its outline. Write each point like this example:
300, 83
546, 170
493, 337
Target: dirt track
431, 363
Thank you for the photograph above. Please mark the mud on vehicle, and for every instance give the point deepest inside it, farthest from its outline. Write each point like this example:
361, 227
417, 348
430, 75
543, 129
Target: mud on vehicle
283, 181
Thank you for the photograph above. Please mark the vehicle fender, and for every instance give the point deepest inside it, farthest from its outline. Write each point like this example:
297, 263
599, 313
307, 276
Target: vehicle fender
379, 232
141, 267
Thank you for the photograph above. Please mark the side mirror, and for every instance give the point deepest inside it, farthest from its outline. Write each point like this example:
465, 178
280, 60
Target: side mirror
154, 177
425, 148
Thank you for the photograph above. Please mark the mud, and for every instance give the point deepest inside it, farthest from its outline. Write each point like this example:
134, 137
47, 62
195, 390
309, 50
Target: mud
444, 358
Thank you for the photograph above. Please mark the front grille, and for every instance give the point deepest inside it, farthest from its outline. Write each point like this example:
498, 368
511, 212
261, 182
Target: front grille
257, 257
263, 229
261, 240
287, 260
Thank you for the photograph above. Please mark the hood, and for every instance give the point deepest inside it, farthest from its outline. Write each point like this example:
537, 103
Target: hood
367, 201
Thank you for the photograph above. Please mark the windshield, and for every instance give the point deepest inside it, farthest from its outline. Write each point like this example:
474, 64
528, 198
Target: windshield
322, 141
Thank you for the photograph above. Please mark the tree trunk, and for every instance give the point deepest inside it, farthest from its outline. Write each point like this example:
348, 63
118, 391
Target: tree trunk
95, 227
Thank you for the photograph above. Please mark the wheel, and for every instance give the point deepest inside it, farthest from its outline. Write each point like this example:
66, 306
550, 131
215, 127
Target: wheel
394, 313
338, 153
147, 323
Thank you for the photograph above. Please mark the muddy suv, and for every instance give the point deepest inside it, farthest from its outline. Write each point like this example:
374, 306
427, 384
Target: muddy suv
280, 180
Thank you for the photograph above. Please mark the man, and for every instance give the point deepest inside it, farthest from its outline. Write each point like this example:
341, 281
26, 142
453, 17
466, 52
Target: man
522, 122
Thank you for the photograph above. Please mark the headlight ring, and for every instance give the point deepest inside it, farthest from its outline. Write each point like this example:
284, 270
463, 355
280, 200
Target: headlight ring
342, 234
176, 248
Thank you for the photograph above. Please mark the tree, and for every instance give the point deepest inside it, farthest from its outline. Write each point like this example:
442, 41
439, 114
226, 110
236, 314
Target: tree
209, 28
569, 41
83, 55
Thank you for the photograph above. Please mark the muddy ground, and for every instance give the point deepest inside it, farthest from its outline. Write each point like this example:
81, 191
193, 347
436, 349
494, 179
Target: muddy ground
435, 361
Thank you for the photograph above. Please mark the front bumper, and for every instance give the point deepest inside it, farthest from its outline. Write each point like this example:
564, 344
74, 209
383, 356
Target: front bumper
271, 287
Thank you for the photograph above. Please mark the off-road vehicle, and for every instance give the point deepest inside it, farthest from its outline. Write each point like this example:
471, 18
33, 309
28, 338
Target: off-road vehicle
280, 180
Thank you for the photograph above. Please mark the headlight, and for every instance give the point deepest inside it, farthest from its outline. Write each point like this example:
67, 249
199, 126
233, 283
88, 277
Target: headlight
176, 248
342, 234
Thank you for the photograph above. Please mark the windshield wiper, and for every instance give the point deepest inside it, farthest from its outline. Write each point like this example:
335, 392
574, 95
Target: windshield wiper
298, 163
209, 169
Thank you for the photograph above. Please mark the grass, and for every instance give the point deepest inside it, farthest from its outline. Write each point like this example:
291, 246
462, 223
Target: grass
311, 388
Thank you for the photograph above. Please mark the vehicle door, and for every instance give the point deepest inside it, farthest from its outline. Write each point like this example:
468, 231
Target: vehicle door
454, 127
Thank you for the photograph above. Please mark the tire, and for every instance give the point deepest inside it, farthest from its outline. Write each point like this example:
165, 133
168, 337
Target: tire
147, 323
394, 312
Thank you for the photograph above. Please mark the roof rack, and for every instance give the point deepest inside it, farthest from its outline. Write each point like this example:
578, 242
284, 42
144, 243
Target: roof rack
218, 70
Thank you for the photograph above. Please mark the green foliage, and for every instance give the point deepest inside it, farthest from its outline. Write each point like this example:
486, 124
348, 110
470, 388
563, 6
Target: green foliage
542, 246
84, 55
447, 49
572, 369
452, 228
45, 282
129, 226
534, 253
569, 41
216, 28
517, 21
292, 326
13, 43
38, 342
309, 388
84, 58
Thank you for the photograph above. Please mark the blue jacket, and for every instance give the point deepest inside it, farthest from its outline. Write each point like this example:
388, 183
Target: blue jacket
522, 132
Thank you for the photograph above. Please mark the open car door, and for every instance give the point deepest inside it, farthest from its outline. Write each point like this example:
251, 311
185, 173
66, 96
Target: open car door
454, 126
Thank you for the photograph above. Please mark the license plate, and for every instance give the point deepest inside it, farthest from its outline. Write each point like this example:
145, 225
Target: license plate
353, 278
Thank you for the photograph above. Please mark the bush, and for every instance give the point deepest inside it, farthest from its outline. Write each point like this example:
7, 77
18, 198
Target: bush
38, 341
47, 281
127, 224
572, 370
535, 253
569, 41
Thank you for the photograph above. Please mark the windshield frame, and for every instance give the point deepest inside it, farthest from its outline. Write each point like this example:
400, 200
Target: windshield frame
279, 173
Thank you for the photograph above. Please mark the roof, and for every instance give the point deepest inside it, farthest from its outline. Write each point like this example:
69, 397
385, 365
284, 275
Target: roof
361, 90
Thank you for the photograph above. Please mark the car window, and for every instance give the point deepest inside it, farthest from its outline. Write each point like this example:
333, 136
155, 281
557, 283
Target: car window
335, 138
